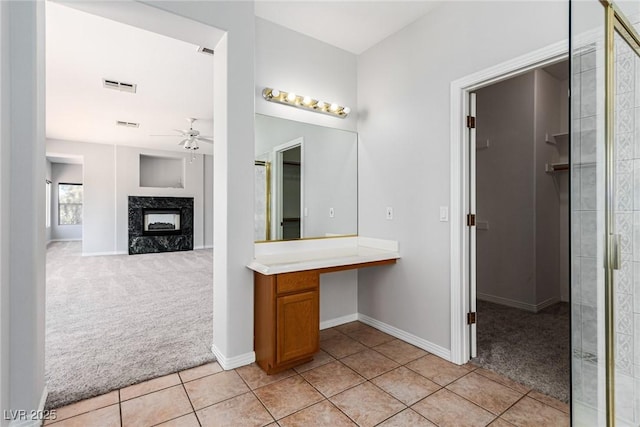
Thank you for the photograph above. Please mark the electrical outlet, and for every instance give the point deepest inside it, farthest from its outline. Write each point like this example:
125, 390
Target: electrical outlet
332, 213
389, 212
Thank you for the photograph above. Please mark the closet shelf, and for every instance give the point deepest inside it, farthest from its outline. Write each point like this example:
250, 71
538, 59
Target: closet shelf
557, 138
556, 167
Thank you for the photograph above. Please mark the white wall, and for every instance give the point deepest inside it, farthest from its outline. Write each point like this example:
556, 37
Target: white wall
505, 191
403, 86
22, 174
65, 174
208, 201
111, 174
328, 73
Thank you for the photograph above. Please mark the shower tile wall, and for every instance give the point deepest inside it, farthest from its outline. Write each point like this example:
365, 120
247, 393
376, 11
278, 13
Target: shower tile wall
586, 219
627, 193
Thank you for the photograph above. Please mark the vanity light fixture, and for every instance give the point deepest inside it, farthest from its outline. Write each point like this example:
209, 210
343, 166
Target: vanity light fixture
305, 102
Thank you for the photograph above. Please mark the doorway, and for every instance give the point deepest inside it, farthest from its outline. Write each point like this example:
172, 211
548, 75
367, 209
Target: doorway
519, 183
289, 194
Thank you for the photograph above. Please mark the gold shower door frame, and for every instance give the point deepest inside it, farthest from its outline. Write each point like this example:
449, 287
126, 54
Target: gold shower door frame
615, 22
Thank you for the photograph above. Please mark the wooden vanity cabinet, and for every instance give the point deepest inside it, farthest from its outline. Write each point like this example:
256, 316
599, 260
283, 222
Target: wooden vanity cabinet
287, 319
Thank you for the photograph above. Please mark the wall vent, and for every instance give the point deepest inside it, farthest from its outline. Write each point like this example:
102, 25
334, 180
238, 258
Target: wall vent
121, 86
127, 124
205, 50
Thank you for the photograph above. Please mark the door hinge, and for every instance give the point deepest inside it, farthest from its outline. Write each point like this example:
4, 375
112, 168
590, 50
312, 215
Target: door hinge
471, 318
471, 220
471, 122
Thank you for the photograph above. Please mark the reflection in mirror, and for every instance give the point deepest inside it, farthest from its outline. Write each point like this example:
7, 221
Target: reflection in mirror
306, 180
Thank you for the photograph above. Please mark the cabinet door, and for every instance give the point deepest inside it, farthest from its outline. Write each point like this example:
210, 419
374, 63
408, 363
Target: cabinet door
298, 328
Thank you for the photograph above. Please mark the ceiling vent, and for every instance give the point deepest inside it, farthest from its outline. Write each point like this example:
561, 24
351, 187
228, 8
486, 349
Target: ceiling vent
121, 86
205, 50
127, 124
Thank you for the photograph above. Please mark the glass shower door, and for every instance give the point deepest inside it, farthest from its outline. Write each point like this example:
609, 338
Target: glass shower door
605, 216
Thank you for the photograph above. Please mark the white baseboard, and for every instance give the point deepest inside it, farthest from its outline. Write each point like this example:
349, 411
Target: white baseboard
228, 363
405, 336
197, 248
105, 253
34, 422
534, 308
338, 321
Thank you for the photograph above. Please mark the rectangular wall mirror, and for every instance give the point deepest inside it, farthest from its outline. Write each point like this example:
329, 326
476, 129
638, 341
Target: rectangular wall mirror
306, 180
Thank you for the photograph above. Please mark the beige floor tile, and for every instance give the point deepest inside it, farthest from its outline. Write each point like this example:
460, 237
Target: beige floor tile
341, 346
407, 418
447, 409
548, 400
438, 370
103, 417
405, 385
287, 396
255, 377
155, 408
215, 388
499, 422
367, 405
482, 391
323, 414
369, 363
370, 336
200, 371
243, 410
319, 359
87, 405
529, 412
149, 386
520, 388
400, 351
350, 327
188, 420
326, 334
332, 378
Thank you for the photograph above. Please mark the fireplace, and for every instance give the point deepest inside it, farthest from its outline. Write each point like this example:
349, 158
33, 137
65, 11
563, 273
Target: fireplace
160, 222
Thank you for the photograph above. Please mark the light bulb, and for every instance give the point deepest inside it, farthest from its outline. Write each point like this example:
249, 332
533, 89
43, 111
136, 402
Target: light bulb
306, 100
346, 110
275, 93
321, 105
333, 107
291, 97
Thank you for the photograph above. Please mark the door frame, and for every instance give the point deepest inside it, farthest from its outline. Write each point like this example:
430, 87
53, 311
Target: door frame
276, 189
461, 188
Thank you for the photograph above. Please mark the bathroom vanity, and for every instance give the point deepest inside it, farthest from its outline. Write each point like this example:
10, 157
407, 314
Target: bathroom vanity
287, 292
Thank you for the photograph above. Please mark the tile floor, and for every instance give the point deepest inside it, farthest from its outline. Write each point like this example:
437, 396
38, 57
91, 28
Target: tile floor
361, 377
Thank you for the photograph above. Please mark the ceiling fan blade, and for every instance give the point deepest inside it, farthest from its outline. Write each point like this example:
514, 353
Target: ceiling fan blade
183, 141
205, 139
174, 135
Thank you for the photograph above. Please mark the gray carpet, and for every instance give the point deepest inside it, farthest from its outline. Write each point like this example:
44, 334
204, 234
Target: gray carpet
112, 321
530, 348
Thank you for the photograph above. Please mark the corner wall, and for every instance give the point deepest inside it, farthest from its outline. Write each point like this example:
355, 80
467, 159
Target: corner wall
404, 88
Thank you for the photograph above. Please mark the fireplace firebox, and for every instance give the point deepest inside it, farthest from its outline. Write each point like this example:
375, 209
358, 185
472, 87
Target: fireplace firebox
160, 222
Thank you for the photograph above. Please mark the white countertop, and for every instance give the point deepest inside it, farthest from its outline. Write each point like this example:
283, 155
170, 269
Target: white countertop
310, 255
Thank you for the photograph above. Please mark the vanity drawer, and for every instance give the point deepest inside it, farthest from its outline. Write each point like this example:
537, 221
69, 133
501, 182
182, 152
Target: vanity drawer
298, 281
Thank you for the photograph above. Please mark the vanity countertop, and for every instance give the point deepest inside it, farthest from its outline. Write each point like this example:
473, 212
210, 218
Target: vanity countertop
305, 255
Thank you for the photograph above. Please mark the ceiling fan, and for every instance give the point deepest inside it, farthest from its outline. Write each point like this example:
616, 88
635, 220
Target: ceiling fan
191, 137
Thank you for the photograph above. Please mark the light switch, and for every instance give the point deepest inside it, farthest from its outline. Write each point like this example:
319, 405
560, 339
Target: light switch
389, 212
331, 213
444, 213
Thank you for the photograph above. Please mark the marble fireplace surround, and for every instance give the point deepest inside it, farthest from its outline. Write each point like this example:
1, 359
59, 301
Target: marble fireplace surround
182, 240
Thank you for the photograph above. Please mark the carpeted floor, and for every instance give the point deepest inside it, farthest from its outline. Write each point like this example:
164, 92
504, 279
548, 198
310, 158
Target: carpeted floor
116, 320
531, 348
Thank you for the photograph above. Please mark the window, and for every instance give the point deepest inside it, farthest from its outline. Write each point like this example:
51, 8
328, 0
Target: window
69, 204
47, 215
